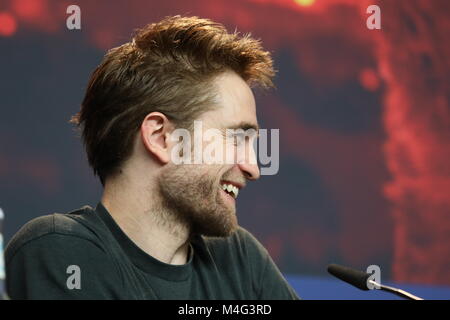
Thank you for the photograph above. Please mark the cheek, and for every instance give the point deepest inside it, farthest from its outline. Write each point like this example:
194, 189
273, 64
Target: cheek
214, 175
230, 154
206, 175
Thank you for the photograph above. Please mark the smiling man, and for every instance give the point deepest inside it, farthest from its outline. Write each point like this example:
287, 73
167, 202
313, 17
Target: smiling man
161, 230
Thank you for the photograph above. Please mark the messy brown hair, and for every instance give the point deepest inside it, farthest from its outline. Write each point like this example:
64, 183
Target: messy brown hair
167, 67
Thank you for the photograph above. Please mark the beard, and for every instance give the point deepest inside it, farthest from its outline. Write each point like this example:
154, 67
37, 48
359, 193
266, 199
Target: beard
192, 193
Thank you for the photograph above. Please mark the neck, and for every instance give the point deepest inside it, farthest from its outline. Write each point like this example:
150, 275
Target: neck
151, 226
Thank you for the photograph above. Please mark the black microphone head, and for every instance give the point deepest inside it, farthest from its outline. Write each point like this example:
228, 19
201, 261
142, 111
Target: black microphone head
354, 277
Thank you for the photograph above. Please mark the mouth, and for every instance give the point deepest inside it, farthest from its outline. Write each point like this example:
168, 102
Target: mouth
230, 188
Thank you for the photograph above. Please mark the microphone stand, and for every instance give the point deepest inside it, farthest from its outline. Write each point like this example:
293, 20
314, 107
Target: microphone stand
398, 292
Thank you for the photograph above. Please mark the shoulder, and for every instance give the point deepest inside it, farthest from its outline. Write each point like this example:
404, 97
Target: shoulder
50, 250
66, 226
245, 261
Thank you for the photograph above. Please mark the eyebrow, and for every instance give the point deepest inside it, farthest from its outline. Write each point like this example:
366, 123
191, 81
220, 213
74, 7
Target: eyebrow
245, 126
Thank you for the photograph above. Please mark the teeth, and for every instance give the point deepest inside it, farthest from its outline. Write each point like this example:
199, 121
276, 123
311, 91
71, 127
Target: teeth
231, 189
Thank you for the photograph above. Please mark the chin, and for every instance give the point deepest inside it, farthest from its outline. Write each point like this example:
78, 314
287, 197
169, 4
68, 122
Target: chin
219, 226
219, 233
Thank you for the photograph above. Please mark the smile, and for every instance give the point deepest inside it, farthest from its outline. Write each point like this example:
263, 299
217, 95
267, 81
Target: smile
230, 189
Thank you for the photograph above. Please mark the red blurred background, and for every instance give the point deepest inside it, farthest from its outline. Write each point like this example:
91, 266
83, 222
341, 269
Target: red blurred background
364, 122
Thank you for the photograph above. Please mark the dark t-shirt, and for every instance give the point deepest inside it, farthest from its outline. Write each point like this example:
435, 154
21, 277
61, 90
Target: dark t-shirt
85, 255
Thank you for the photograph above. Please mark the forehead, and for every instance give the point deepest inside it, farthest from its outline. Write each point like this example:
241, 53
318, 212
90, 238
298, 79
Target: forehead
236, 102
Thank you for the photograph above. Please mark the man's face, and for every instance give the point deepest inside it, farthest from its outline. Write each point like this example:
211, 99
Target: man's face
196, 191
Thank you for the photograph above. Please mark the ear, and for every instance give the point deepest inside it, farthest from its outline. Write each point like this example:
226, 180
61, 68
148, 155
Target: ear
155, 135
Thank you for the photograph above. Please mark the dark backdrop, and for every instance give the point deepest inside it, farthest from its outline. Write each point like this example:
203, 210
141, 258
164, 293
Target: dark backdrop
363, 117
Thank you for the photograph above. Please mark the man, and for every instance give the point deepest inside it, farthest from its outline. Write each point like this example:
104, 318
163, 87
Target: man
162, 230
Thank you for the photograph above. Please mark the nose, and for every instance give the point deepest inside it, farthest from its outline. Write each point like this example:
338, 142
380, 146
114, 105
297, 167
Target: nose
248, 162
251, 171
250, 166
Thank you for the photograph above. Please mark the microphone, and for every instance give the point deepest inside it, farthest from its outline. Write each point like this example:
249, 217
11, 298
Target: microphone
361, 280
